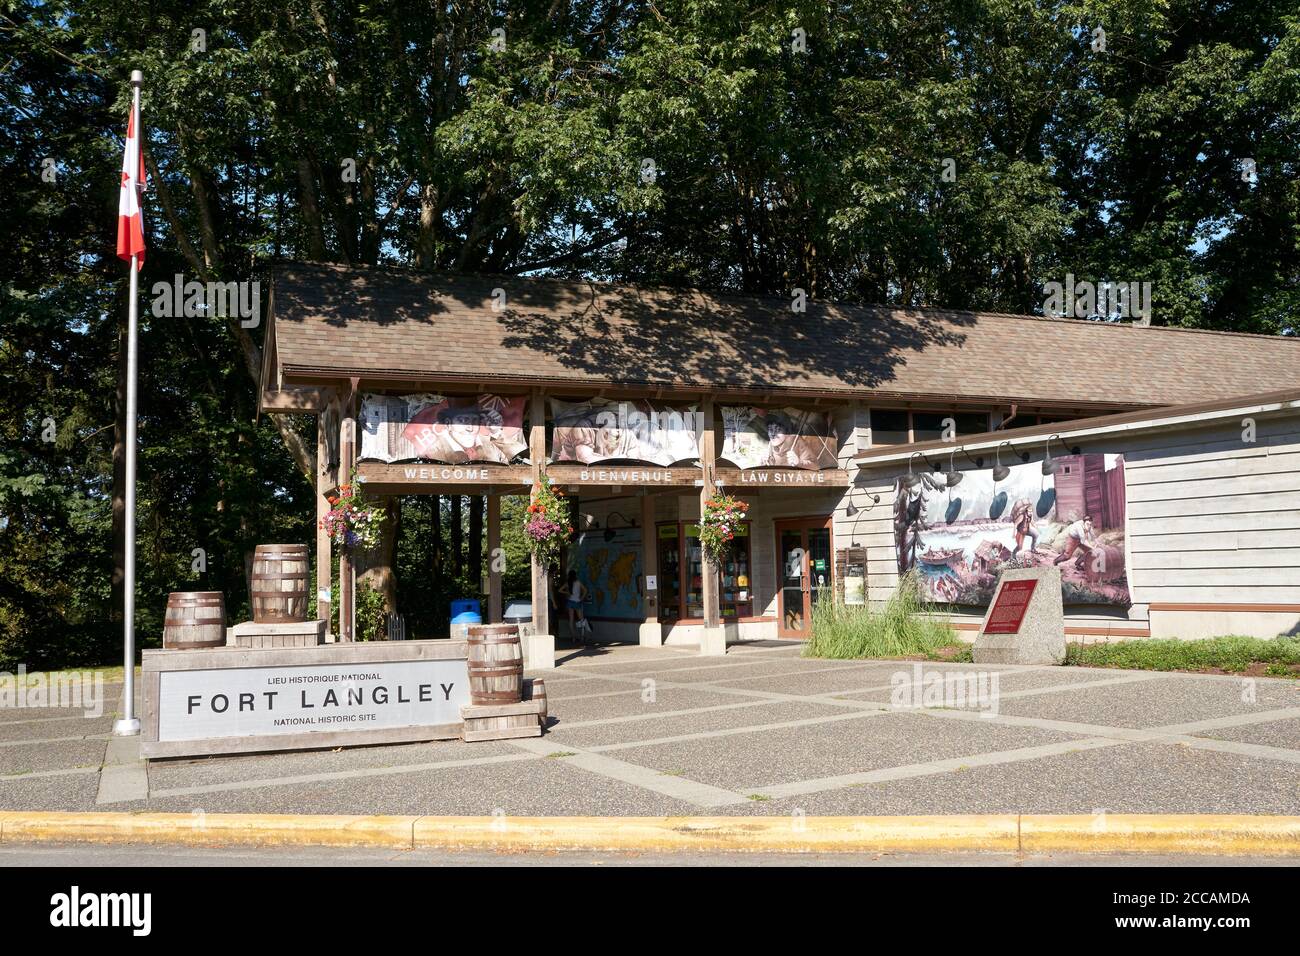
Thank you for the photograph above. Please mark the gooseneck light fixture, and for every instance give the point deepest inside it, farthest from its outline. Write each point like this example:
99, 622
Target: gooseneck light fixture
913, 479
1000, 471
952, 476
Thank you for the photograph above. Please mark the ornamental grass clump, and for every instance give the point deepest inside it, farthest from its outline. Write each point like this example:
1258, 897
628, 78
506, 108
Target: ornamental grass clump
547, 525
900, 627
718, 526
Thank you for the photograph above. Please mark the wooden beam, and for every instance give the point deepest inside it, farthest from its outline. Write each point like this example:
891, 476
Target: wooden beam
347, 461
708, 455
650, 557
326, 483
541, 584
495, 558
300, 400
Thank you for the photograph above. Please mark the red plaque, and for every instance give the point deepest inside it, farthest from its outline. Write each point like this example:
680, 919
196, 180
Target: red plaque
1010, 606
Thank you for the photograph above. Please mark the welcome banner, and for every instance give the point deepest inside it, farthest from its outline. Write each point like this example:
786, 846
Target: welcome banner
957, 539
777, 438
605, 430
486, 428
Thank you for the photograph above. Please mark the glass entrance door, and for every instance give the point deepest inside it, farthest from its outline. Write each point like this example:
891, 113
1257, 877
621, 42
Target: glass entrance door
794, 562
805, 571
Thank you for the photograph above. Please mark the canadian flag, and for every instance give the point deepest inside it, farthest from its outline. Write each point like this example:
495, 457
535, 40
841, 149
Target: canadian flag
130, 223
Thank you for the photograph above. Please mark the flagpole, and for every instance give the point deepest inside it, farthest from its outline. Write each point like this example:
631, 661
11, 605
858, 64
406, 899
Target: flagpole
129, 724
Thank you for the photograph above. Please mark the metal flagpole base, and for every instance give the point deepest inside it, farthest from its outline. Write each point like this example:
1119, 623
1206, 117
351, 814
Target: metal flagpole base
126, 727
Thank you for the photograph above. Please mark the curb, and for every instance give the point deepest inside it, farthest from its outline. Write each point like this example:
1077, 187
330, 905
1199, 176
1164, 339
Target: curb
1008, 833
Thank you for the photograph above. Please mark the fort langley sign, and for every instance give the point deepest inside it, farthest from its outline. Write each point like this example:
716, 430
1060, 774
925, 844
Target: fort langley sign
232, 700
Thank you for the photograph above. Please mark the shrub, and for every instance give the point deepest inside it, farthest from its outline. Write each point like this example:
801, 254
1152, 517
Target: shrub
899, 627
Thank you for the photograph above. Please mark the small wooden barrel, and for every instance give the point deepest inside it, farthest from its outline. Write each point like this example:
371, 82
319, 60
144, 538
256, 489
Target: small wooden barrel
280, 578
194, 619
496, 664
535, 689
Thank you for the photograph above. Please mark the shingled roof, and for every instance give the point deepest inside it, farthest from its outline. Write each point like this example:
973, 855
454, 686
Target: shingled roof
398, 325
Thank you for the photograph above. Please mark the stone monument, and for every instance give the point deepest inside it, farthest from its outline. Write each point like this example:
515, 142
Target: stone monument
1025, 622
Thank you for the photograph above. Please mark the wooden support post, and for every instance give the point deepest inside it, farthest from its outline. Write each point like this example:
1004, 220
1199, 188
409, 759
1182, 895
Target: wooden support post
347, 568
326, 478
537, 454
651, 632
713, 641
494, 558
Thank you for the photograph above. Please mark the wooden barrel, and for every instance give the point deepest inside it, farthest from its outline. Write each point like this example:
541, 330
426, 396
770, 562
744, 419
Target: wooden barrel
280, 579
194, 619
496, 664
535, 689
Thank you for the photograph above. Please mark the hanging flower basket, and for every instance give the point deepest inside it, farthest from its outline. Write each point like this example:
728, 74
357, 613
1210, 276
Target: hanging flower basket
547, 525
718, 526
351, 523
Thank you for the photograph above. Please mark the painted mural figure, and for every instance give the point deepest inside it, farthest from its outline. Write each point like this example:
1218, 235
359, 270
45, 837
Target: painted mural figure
1022, 518
1078, 537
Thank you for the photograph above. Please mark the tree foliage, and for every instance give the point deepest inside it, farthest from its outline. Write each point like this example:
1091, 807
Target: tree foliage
953, 153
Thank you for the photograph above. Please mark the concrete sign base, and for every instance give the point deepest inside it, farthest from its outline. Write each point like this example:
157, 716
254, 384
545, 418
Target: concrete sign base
1025, 622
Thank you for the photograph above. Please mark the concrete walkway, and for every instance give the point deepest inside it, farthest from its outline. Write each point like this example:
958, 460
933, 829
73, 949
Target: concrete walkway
638, 731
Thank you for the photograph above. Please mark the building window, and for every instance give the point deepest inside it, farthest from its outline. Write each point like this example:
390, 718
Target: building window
889, 427
896, 427
682, 569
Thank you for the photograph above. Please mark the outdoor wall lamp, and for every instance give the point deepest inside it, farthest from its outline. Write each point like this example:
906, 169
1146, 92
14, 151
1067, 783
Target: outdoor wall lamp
913, 479
1000, 471
1050, 466
952, 475
851, 509
609, 532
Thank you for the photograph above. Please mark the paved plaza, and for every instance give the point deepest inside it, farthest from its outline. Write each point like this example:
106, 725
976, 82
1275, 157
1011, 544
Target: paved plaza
664, 731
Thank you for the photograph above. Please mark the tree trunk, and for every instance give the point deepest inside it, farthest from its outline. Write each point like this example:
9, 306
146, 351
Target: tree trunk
457, 538
436, 534
376, 568
310, 210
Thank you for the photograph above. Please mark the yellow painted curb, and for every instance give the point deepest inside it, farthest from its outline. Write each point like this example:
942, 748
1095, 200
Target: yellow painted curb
759, 834
205, 828
1007, 833
1161, 833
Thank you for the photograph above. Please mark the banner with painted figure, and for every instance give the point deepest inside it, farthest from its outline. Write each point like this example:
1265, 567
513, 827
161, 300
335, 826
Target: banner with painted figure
487, 428
605, 430
958, 538
778, 438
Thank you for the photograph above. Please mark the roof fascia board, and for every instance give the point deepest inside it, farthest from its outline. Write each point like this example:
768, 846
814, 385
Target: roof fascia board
1175, 419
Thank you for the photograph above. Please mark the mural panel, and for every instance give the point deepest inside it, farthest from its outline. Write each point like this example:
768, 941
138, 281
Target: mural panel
957, 538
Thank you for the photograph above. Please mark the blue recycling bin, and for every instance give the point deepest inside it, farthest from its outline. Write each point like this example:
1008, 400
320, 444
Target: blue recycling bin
466, 611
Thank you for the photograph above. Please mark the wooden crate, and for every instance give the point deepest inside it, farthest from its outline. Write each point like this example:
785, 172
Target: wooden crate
502, 721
